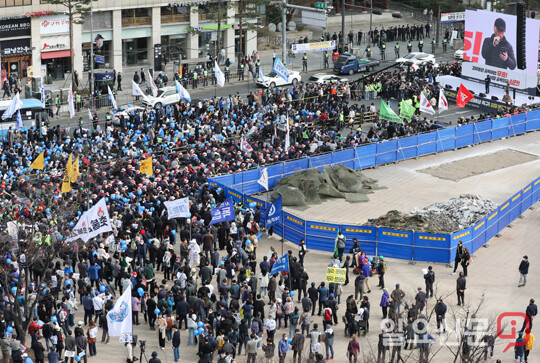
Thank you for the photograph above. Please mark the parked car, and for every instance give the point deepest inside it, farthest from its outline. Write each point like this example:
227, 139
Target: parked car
165, 96
322, 78
458, 54
272, 80
416, 59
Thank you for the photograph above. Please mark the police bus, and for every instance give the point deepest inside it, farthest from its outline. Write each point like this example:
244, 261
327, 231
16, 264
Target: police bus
32, 113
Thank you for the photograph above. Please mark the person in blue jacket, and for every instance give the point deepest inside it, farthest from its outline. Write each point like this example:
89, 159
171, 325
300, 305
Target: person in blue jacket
93, 274
519, 348
366, 272
323, 296
283, 348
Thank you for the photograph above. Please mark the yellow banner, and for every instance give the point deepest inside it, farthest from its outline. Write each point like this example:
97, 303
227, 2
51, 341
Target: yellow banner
337, 275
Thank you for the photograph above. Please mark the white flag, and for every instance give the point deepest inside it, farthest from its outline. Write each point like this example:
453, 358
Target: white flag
287, 140
90, 115
136, 90
261, 76
71, 102
119, 318
13, 107
151, 83
92, 223
42, 91
443, 103
220, 76
425, 106
263, 180
178, 208
184, 94
111, 97
19, 124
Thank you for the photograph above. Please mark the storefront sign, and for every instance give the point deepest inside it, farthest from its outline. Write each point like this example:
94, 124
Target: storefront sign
99, 59
15, 47
36, 14
54, 24
210, 27
185, 3
54, 42
14, 27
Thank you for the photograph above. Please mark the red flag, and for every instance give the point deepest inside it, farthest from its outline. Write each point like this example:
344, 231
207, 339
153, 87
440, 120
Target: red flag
463, 96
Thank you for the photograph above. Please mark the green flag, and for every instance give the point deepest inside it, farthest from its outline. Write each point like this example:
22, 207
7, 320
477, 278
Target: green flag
305, 135
406, 109
388, 114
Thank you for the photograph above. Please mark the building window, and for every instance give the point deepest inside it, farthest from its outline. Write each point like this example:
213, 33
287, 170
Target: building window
175, 14
136, 17
7, 3
102, 20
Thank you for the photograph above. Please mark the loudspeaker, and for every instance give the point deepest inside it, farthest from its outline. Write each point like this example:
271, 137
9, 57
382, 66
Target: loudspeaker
494, 98
483, 95
521, 22
472, 92
448, 86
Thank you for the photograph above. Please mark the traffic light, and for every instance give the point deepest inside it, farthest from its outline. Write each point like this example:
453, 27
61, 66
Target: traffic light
520, 36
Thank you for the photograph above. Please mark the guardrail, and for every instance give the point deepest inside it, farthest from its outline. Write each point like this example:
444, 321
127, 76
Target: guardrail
408, 245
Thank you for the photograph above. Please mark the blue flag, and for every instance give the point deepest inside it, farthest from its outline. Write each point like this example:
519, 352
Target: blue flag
281, 264
281, 70
19, 124
223, 213
274, 213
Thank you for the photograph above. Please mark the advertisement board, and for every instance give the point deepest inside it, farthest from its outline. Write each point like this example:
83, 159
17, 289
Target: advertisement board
54, 24
490, 49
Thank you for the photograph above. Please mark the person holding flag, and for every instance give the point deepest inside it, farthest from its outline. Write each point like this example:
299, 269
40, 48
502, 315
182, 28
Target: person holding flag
443, 103
220, 76
425, 106
111, 98
184, 94
463, 96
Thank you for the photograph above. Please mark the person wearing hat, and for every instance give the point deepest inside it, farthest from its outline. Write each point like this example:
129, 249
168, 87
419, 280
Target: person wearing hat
523, 271
496, 50
154, 358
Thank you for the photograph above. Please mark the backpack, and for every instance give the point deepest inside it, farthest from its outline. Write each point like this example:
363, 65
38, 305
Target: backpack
255, 327
327, 315
220, 343
279, 310
169, 323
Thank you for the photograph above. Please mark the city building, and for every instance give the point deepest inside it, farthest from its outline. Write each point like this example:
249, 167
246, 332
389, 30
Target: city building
34, 35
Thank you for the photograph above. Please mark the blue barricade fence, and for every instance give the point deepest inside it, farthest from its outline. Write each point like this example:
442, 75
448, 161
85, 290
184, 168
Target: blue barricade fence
381, 241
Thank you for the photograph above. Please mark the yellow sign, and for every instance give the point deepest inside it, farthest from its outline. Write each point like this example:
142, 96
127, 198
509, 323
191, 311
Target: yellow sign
337, 275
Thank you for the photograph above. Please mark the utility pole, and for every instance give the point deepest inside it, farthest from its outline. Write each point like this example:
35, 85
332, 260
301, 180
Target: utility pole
284, 6
438, 24
343, 24
91, 55
283, 32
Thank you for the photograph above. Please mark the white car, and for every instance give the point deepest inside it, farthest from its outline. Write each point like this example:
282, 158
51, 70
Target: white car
165, 96
125, 111
416, 59
272, 80
321, 78
458, 54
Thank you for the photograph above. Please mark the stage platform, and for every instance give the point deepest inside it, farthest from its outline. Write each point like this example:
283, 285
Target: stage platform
484, 103
408, 187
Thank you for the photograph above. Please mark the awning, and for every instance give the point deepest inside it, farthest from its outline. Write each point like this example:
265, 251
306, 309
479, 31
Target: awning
55, 54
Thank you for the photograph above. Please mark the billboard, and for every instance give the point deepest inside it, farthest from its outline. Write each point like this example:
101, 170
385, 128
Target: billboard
449, 17
490, 49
